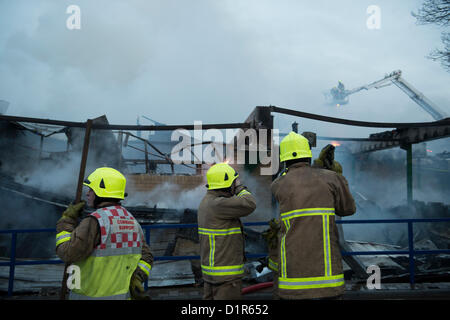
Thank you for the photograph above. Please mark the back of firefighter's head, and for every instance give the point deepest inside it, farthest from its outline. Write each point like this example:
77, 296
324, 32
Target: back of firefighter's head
295, 148
107, 184
220, 176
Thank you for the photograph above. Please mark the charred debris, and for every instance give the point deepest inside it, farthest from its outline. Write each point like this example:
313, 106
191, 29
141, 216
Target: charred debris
39, 165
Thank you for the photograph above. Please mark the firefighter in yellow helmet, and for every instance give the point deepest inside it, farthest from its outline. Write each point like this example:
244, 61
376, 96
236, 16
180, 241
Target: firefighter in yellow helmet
108, 246
310, 262
221, 233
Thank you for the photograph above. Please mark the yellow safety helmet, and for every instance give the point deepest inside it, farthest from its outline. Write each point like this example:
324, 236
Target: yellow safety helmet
294, 146
107, 183
220, 175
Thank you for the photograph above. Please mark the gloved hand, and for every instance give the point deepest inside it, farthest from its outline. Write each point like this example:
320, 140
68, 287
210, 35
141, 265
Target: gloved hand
326, 160
271, 234
237, 187
137, 289
74, 210
336, 167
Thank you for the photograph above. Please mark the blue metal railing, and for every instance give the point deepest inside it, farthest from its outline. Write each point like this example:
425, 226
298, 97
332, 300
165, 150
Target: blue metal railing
410, 252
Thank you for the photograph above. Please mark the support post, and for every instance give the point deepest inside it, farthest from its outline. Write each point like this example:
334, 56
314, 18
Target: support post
419, 174
41, 146
146, 157
87, 136
411, 254
84, 155
409, 176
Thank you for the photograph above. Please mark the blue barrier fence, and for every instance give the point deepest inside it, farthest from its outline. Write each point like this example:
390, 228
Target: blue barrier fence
12, 263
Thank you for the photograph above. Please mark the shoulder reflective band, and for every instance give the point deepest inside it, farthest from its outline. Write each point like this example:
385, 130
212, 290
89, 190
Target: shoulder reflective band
219, 232
61, 237
223, 270
145, 267
243, 193
307, 212
311, 283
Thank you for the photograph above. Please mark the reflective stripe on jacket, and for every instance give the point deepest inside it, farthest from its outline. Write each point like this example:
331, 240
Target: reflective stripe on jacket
62, 237
327, 280
220, 234
310, 262
106, 273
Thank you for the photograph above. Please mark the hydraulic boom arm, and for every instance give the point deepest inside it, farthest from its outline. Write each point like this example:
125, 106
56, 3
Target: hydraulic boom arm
413, 93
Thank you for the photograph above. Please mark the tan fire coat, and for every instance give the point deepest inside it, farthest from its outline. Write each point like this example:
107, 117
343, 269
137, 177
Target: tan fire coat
221, 236
310, 262
85, 237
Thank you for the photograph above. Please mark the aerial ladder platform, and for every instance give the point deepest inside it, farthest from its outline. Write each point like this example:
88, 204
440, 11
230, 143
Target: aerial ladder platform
340, 96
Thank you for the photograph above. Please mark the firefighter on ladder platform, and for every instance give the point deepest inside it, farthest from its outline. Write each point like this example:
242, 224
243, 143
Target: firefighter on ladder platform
221, 233
107, 246
309, 260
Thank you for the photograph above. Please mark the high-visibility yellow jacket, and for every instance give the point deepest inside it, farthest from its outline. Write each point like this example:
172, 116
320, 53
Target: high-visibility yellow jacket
309, 261
107, 247
220, 233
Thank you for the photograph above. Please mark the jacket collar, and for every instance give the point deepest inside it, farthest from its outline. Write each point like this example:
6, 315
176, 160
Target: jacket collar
219, 193
299, 165
108, 204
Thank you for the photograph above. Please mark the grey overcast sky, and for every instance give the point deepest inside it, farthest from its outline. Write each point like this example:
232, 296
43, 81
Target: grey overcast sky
179, 61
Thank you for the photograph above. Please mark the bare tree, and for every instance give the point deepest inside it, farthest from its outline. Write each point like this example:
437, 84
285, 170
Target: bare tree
437, 12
